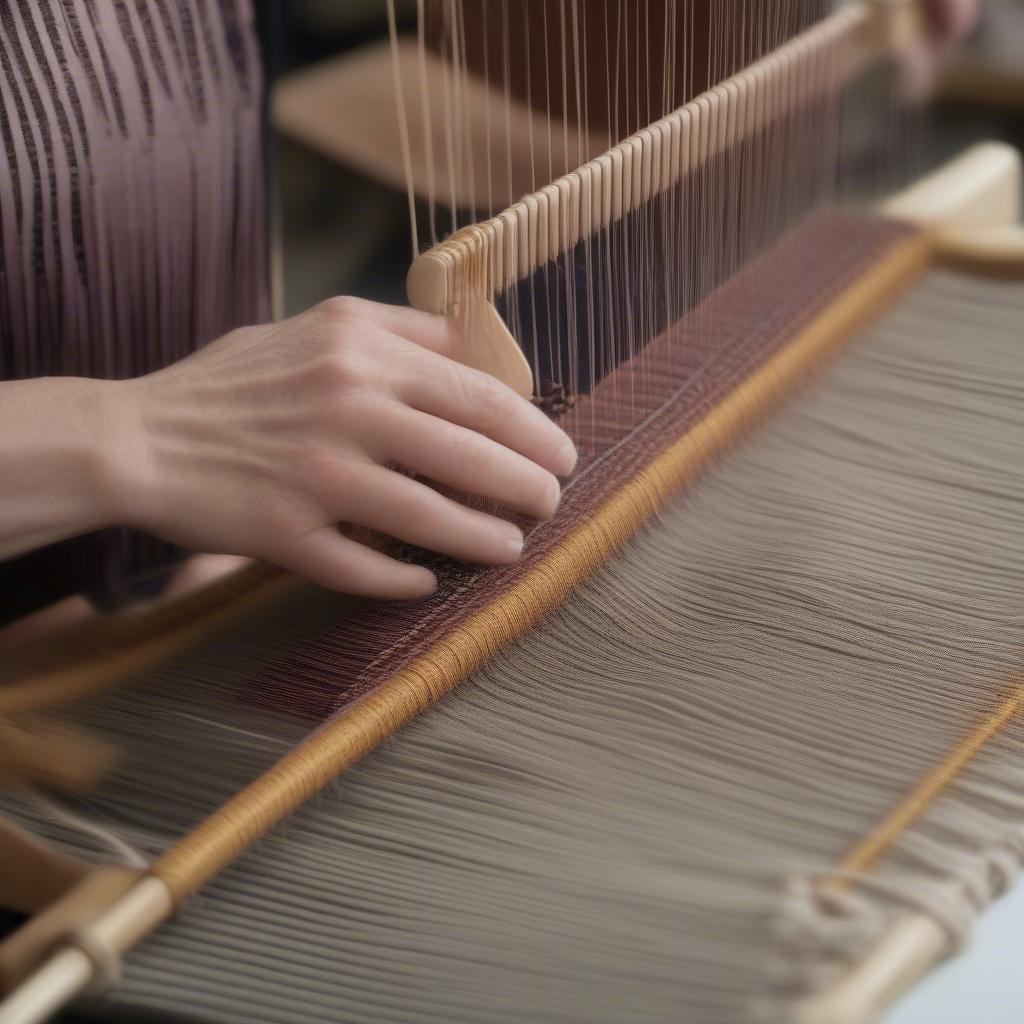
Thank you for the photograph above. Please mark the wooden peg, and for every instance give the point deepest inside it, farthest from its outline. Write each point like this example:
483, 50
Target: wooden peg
484, 342
23, 951
993, 251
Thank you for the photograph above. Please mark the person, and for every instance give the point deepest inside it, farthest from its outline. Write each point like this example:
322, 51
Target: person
131, 231
259, 442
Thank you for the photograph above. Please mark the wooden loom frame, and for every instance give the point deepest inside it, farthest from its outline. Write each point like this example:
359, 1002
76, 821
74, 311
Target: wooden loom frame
902, 955
460, 277
961, 209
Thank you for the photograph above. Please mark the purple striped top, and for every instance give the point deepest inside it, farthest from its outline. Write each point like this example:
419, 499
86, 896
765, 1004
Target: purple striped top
132, 222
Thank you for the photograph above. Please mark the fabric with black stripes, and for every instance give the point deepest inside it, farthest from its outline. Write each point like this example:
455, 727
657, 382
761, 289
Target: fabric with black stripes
131, 214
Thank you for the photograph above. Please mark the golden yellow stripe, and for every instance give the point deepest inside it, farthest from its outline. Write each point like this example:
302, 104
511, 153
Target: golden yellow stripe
867, 852
343, 740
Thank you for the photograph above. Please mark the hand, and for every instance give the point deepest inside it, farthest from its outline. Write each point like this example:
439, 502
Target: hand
262, 441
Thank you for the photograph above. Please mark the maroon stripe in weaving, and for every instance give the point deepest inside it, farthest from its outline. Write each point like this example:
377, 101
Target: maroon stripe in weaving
638, 409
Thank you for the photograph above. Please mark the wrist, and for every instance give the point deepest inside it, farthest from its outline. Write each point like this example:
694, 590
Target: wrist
59, 462
116, 462
93, 447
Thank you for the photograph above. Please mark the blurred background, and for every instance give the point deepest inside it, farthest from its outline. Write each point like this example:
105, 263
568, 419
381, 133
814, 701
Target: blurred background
342, 231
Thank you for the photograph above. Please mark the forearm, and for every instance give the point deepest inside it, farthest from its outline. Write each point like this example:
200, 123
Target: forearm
60, 439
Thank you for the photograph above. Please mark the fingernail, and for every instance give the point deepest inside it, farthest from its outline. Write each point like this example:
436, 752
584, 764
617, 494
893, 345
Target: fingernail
514, 546
429, 584
554, 495
566, 458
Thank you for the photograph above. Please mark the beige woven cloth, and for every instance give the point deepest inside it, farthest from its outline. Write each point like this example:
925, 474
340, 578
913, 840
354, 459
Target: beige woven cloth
623, 816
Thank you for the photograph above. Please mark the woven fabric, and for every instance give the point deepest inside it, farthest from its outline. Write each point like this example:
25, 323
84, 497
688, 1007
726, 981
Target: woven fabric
625, 816
632, 413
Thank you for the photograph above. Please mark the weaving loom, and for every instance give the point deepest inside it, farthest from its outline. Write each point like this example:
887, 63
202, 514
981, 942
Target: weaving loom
737, 739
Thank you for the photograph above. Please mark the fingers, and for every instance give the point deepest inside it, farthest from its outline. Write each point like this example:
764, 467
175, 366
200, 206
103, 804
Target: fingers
474, 400
414, 347
400, 398
414, 513
338, 563
408, 511
465, 460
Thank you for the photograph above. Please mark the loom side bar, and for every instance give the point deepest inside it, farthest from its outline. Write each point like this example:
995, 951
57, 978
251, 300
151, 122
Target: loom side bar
972, 204
89, 954
133, 643
66, 974
907, 951
916, 942
977, 190
993, 252
867, 852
